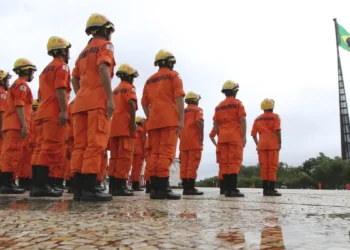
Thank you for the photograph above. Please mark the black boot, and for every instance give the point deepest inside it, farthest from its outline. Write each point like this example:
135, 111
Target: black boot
272, 190
42, 187
34, 176
233, 191
222, 186
99, 187
59, 183
120, 188
185, 186
226, 183
111, 184
7, 185
162, 192
90, 193
53, 183
154, 186
78, 182
24, 183
191, 190
265, 186
136, 186
148, 187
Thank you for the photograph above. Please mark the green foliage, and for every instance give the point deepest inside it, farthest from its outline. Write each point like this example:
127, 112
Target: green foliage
331, 173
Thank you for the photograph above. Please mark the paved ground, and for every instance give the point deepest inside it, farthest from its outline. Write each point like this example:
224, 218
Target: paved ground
300, 219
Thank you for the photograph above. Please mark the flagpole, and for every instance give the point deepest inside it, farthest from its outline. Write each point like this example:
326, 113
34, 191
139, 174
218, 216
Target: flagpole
343, 107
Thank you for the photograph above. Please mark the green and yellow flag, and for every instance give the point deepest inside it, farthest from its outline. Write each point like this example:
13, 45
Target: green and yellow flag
344, 38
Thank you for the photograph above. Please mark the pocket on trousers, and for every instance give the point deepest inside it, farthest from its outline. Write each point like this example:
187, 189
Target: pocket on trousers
172, 137
239, 153
103, 124
129, 144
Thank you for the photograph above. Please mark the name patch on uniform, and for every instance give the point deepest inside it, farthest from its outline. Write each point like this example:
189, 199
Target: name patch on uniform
266, 119
119, 91
109, 47
49, 68
65, 67
158, 79
228, 106
92, 50
23, 88
3, 96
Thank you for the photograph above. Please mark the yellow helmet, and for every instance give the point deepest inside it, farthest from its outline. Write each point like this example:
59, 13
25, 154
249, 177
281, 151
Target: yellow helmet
23, 64
97, 21
4, 74
230, 85
164, 55
138, 119
35, 103
127, 69
267, 104
55, 43
192, 95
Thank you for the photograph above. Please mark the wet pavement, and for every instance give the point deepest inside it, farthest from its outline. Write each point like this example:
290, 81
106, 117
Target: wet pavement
300, 219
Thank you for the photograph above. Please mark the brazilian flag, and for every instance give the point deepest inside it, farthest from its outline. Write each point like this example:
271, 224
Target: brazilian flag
344, 38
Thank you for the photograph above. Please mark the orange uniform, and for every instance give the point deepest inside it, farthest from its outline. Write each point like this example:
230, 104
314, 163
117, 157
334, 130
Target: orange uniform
230, 141
212, 134
121, 142
159, 94
139, 156
268, 147
91, 126
103, 168
70, 139
50, 135
2, 111
19, 95
190, 143
147, 149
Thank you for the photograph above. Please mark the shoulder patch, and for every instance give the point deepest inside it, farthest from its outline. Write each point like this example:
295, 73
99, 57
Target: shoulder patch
3, 96
23, 88
110, 47
178, 75
65, 67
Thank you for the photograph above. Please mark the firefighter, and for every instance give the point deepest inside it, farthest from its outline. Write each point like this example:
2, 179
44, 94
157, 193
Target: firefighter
191, 143
230, 126
163, 104
93, 108
268, 126
122, 136
17, 119
51, 120
212, 136
139, 154
4, 85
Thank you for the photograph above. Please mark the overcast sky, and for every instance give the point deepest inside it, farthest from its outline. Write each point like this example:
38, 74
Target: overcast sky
284, 50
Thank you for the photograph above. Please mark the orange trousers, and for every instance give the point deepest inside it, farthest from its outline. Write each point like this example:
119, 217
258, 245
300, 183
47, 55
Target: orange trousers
122, 149
24, 166
104, 163
147, 174
230, 157
91, 132
163, 144
50, 141
69, 156
190, 160
137, 164
64, 168
11, 150
268, 160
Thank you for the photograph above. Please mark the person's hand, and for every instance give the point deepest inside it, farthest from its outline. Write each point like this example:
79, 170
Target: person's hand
244, 141
201, 141
180, 127
24, 133
62, 118
132, 128
110, 108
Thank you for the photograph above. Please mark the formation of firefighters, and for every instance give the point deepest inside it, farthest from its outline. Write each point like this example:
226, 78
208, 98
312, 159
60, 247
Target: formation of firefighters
47, 141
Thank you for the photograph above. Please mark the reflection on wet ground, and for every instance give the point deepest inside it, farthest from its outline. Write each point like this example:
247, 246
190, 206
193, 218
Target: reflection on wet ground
300, 219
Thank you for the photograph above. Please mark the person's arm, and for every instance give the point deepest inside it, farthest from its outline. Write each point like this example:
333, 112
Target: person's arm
213, 141
200, 126
75, 84
255, 138
21, 116
132, 112
244, 129
61, 97
216, 128
105, 77
180, 109
279, 136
